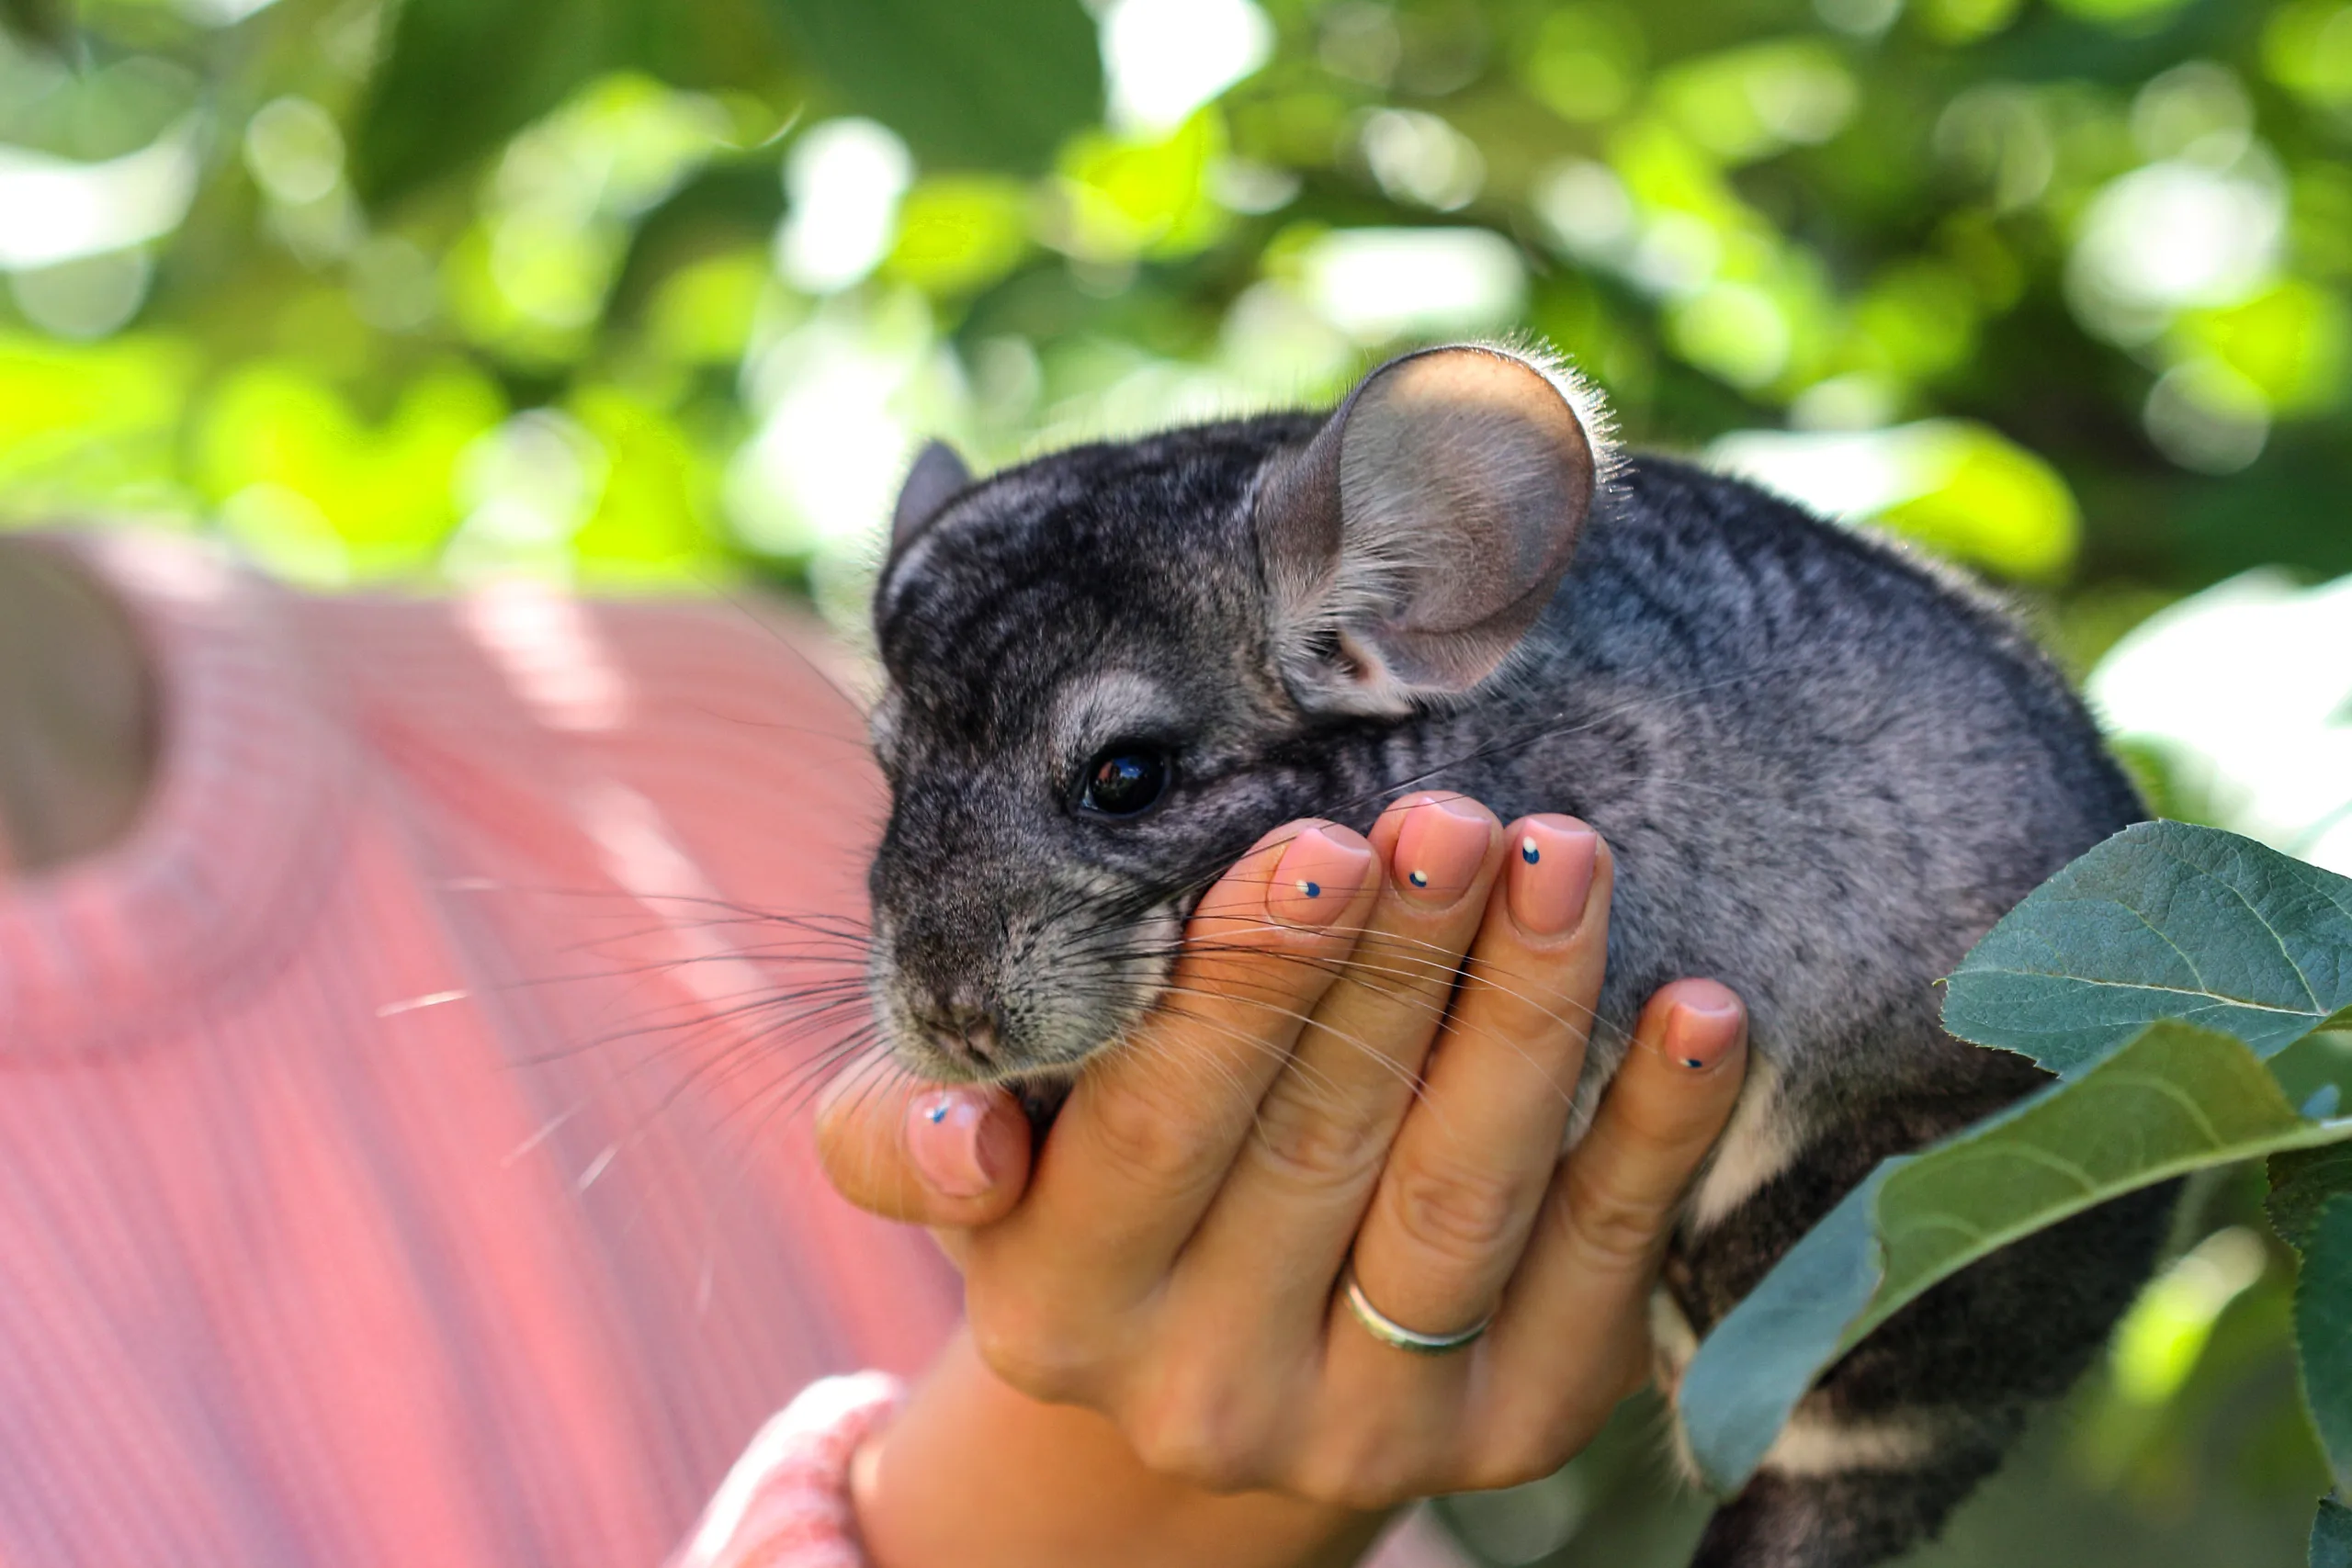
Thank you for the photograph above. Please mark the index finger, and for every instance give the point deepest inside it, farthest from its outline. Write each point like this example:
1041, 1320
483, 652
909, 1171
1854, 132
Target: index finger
1147, 1138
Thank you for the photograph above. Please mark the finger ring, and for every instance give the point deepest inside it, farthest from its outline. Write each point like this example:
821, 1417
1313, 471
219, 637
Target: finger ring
1388, 1331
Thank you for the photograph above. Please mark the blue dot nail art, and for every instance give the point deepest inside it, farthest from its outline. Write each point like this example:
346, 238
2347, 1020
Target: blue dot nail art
1528, 852
1692, 1063
1312, 889
937, 1113
1417, 878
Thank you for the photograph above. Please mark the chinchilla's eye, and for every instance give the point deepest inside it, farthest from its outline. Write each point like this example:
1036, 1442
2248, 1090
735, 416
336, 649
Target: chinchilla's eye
1125, 780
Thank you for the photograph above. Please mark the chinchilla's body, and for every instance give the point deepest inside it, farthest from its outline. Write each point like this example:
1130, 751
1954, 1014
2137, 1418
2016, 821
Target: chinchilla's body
1824, 770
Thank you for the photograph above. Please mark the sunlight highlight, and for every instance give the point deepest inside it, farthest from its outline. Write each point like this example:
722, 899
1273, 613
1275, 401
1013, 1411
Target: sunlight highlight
54, 209
1166, 58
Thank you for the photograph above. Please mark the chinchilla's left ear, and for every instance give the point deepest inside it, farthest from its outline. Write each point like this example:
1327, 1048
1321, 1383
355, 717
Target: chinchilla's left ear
934, 480
1411, 543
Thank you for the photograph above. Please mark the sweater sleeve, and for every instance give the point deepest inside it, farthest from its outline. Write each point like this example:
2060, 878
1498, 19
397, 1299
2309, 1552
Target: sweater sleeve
787, 1504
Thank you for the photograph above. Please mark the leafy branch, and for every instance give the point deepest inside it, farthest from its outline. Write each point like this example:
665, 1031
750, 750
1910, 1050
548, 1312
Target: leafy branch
2160, 976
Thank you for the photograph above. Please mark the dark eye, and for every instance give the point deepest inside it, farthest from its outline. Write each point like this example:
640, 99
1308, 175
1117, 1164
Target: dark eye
1125, 780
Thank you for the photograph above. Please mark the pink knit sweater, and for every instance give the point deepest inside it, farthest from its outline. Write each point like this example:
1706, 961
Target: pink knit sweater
403, 1158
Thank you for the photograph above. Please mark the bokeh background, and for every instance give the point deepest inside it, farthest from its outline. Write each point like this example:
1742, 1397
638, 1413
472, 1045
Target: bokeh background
655, 295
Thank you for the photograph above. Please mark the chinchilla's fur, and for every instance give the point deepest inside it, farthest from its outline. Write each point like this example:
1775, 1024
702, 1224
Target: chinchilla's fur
1823, 767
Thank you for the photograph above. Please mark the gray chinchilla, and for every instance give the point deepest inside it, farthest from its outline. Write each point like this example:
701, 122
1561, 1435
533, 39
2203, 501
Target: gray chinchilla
1825, 768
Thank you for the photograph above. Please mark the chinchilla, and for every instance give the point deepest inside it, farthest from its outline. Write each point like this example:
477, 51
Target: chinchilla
1824, 768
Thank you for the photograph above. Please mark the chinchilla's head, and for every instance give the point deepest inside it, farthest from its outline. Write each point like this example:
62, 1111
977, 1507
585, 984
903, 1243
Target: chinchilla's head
1110, 669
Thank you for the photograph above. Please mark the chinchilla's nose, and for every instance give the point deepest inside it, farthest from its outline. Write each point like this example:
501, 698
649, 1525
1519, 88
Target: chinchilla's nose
965, 1027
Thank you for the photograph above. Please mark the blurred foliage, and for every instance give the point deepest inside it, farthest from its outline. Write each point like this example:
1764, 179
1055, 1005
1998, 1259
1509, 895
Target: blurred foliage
2055, 287
651, 295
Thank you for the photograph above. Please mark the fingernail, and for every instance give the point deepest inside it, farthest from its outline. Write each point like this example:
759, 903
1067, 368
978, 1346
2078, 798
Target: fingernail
1317, 876
1699, 1034
944, 1138
1551, 874
1439, 850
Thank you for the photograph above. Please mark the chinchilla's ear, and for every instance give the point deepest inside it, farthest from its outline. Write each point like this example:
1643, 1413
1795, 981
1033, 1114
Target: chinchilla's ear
1412, 543
937, 475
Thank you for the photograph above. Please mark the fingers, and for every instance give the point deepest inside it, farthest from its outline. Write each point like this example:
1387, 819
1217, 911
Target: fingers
1322, 1132
1470, 1167
1614, 1204
1147, 1138
925, 1153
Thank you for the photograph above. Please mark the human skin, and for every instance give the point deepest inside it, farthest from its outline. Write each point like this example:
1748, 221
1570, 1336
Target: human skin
1235, 1119
1158, 1368
77, 732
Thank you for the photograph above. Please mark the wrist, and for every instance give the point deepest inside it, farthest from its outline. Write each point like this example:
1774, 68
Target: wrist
974, 1474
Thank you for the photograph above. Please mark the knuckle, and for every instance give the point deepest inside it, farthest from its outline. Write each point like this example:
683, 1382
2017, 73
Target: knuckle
1401, 972
1461, 1214
1611, 1224
1516, 1456
1139, 1134
1317, 1147
1028, 1353
1352, 1477
1197, 1436
1500, 1472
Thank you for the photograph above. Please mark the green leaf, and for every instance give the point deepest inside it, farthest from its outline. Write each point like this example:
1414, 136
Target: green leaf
2175, 1100
2332, 1536
460, 77
46, 23
2162, 921
2324, 1332
997, 85
2301, 1183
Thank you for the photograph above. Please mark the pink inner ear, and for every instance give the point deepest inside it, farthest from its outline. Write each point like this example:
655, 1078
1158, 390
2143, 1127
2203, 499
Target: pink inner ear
1425, 527
1464, 478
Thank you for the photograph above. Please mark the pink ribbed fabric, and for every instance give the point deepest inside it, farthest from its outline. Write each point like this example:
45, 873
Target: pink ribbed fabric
785, 1504
404, 1148
403, 1155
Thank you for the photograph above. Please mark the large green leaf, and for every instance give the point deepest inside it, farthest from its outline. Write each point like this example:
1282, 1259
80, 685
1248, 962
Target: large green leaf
2300, 1184
2332, 1536
2175, 1100
2324, 1332
996, 86
2162, 921
47, 23
460, 77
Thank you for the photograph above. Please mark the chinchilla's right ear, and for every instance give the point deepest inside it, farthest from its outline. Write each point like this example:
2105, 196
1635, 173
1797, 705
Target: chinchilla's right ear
1411, 543
937, 475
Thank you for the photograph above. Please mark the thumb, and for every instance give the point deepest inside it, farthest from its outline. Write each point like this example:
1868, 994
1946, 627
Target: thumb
954, 1156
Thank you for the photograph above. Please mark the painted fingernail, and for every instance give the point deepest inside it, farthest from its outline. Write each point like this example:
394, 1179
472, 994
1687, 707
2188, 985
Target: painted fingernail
1317, 876
1551, 874
943, 1139
1440, 849
1699, 1033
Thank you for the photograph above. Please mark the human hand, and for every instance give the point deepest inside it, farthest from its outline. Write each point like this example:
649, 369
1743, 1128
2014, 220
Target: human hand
1174, 1261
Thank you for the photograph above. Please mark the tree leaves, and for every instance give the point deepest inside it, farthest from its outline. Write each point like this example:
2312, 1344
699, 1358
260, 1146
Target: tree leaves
2300, 1184
2162, 921
45, 23
2105, 975
2175, 1100
2332, 1536
2324, 1332
461, 76
998, 85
